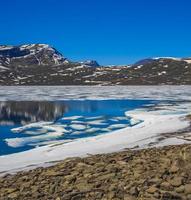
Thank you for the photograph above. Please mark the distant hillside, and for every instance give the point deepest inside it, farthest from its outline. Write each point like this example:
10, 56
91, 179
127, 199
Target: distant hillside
40, 64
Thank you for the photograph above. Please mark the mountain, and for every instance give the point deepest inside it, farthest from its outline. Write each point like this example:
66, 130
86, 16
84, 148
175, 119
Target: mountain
30, 55
91, 63
150, 60
164, 70
41, 64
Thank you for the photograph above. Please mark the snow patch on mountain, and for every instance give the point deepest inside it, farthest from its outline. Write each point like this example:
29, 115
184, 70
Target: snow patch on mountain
91, 63
169, 58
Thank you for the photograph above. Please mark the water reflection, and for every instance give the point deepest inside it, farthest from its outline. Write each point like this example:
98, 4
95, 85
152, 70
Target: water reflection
24, 112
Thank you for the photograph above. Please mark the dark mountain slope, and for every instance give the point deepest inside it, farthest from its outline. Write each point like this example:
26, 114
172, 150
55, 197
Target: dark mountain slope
40, 64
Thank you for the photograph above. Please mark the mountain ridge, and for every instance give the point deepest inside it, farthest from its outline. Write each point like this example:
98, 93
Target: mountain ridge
41, 64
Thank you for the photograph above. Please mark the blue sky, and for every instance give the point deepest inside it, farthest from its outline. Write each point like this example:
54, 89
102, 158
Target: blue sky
109, 31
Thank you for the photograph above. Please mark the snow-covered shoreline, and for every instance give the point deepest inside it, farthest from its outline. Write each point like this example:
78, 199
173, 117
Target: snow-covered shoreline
164, 119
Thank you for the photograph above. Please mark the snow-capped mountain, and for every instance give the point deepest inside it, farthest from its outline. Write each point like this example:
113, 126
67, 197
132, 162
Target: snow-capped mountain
30, 55
40, 64
162, 59
91, 63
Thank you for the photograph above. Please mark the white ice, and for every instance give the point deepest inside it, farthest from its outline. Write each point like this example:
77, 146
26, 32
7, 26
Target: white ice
52, 93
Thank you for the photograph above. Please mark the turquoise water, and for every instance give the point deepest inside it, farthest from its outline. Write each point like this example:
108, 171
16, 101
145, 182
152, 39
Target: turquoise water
27, 124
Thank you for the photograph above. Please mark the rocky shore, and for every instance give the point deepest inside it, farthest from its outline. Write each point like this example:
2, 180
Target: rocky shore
156, 173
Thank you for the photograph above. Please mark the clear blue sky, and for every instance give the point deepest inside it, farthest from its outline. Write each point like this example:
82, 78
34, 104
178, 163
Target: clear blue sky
109, 31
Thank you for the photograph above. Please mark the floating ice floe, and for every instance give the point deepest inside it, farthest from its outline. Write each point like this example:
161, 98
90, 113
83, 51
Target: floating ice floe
36, 132
34, 140
117, 126
32, 125
94, 118
93, 130
77, 133
78, 126
77, 122
72, 118
97, 122
120, 118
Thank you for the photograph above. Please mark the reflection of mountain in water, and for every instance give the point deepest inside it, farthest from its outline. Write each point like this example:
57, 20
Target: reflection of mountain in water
23, 112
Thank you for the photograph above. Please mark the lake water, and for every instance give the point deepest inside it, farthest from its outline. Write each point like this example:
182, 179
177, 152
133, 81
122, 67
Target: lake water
28, 124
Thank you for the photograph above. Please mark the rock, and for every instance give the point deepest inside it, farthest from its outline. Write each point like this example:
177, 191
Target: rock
70, 178
113, 187
52, 189
121, 162
111, 194
52, 173
137, 174
13, 195
171, 195
134, 191
100, 169
129, 197
77, 197
83, 185
152, 190
155, 181
88, 175
180, 189
106, 176
112, 168
187, 188
174, 169
177, 181
139, 161
166, 186
140, 181
156, 195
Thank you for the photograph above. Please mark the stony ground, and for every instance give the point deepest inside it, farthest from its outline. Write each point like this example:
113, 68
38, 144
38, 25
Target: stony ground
142, 174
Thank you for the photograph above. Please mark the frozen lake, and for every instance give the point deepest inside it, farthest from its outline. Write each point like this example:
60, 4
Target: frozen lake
49, 123
54, 93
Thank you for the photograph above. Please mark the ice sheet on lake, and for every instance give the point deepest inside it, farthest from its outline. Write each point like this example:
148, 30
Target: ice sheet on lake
94, 92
